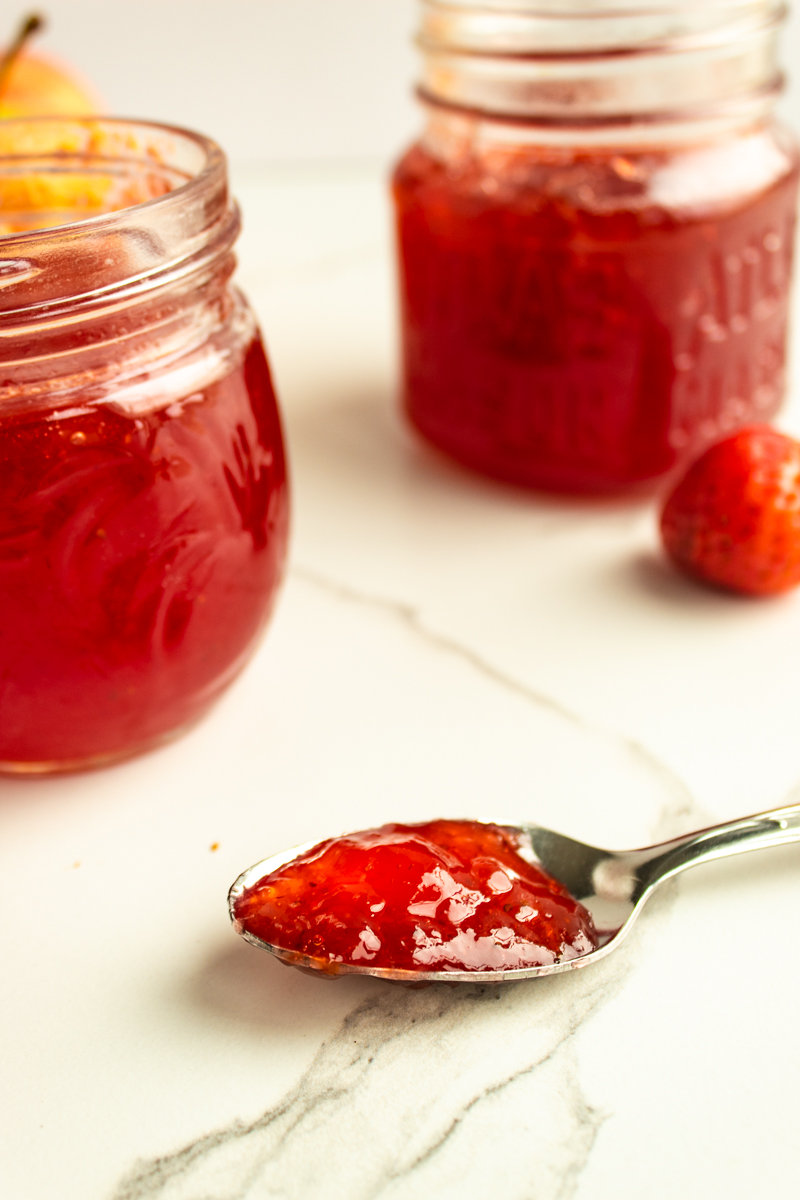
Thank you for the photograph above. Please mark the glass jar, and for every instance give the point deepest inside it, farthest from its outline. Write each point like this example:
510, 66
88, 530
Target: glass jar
143, 500
595, 235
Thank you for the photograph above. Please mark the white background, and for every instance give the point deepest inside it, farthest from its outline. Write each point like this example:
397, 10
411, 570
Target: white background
275, 81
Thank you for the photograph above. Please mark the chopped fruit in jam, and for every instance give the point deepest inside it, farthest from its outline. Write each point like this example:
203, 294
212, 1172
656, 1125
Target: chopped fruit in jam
569, 322
734, 519
441, 896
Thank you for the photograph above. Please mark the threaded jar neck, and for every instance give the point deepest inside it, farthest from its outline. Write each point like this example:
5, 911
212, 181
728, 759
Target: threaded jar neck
602, 61
116, 251
98, 213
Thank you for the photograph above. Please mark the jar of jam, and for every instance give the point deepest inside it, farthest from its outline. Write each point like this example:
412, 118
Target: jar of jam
143, 501
595, 234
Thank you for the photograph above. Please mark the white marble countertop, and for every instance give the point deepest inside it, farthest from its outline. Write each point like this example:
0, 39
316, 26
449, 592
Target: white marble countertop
443, 646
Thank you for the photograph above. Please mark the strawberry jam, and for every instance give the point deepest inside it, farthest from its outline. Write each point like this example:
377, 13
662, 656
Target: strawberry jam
143, 499
581, 320
441, 896
139, 557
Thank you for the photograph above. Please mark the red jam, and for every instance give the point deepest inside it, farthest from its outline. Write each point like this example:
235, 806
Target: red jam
442, 896
139, 555
580, 320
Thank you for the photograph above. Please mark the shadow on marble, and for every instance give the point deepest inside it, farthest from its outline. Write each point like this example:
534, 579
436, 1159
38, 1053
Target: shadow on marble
653, 575
242, 984
361, 435
85, 786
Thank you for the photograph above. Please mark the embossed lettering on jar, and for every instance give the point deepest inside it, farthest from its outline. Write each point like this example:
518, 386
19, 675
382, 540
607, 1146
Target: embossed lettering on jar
143, 502
595, 235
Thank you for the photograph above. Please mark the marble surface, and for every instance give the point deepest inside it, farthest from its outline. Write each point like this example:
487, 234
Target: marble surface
443, 646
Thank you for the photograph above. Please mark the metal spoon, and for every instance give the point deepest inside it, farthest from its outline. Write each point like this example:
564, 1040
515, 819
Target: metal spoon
612, 885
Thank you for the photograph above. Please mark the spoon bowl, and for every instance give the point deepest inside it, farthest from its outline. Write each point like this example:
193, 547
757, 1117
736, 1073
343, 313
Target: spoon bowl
613, 885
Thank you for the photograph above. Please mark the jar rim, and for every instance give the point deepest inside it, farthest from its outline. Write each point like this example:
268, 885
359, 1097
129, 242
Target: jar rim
596, 8
636, 60
542, 29
175, 215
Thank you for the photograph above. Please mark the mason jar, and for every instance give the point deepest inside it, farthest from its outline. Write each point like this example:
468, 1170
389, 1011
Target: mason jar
143, 498
595, 235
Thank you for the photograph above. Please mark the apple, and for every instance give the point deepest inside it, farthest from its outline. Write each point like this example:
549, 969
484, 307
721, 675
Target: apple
33, 85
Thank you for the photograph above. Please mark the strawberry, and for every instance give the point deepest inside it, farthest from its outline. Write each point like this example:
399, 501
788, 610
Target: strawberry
734, 518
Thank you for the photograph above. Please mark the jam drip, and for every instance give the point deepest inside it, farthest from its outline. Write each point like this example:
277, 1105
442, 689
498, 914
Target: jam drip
441, 896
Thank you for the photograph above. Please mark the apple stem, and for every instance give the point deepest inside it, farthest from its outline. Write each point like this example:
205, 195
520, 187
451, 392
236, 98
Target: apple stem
27, 28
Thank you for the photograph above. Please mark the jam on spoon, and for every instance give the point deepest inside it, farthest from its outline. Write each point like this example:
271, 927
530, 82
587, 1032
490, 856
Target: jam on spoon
614, 886
440, 896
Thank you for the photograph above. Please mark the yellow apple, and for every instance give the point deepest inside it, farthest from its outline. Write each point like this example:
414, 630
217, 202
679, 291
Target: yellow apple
34, 85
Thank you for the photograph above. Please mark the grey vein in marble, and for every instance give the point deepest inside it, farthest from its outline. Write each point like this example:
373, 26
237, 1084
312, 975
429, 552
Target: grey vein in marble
419, 1093
680, 814
457, 1093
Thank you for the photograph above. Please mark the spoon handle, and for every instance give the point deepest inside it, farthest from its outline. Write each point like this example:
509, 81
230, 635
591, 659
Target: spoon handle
658, 863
